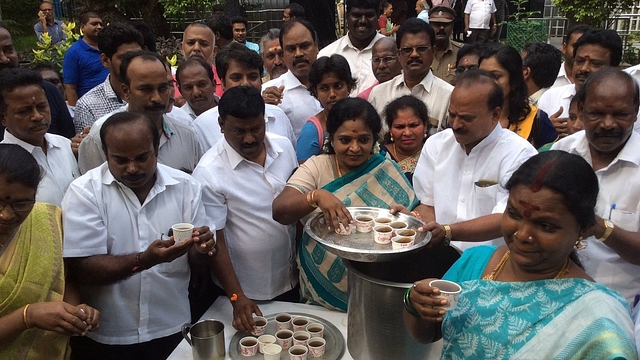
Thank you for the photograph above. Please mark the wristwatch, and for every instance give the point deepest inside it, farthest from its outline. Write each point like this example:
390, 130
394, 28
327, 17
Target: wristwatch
608, 225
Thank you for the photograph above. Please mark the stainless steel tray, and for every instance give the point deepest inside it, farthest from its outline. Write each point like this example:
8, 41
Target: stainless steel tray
360, 246
334, 349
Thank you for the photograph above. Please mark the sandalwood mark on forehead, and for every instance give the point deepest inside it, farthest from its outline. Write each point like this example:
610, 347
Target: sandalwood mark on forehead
529, 208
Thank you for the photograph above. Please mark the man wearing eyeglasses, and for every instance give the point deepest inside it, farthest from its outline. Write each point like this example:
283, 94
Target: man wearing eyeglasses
48, 23
384, 63
356, 46
415, 40
445, 50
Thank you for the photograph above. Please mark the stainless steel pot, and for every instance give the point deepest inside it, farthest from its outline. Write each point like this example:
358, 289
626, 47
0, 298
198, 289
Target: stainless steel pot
375, 330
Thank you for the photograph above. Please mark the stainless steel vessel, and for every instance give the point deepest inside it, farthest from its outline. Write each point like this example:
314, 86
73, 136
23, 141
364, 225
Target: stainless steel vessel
375, 328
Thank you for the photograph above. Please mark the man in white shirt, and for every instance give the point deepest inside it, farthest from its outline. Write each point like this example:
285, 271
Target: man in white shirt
115, 217
239, 66
422, 8
415, 40
565, 74
249, 160
540, 64
24, 112
147, 89
289, 92
462, 170
195, 81
114, 41
355, 46
594, 50
608, 105
478, 15
385, 63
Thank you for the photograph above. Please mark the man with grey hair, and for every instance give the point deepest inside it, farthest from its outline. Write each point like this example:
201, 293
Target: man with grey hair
271, 53
422, 8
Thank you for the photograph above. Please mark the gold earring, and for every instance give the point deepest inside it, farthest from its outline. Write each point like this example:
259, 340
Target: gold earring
580, 243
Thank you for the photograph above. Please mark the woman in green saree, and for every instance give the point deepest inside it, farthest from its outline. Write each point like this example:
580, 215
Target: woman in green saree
351, 173
36, 317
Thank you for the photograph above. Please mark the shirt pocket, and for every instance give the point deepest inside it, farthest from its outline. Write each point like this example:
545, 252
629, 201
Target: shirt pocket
485, 195
625, 220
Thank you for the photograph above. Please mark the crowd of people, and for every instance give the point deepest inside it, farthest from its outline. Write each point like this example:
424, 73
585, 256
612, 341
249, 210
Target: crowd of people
516, 159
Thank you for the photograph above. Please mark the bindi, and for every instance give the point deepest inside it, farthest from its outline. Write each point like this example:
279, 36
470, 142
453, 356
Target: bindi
528, 208
537, 183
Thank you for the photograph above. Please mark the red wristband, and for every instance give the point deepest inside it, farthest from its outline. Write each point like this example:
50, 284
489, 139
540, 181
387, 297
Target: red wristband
139, 266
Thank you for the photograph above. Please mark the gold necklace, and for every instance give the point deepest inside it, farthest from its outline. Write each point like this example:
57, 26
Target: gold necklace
494, 274
335, 157
395, 153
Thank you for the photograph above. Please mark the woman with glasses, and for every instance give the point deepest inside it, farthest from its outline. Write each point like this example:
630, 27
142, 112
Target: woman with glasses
330, 81
526, 120
37, 314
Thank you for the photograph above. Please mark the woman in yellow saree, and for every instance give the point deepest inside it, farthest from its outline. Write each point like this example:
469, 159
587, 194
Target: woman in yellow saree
35, 320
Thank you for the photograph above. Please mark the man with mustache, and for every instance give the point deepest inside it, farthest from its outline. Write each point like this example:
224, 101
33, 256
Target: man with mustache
61, 121
595, 50
117, 249
249, 160
461, 171
239, 66
113, 42
444, 49
356, 45
384, 63
24, 110
147, 87
196, 83
272, 55
565, 74
415, 40
608, 104
290, 91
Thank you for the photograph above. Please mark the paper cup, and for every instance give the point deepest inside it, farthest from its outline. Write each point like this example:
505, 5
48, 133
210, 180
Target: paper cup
182, 232
261, 325
381, 221
449, 291
272, 352
317, 347
264, 340
283, 321
364, 223
301, 338
284, 338
399, 242
382, 234
300, 323
397, 226
410, 233
248, 346
315, 330
344, 230
298, 352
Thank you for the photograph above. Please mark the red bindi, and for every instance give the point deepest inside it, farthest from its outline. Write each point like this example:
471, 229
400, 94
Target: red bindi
537, 183
529, 208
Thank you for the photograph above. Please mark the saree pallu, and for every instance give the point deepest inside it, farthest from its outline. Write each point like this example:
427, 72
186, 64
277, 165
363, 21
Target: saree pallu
31, 271
546, 319
378, 182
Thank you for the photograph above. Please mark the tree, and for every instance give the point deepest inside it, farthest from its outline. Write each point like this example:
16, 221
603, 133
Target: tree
597, 13
150, 11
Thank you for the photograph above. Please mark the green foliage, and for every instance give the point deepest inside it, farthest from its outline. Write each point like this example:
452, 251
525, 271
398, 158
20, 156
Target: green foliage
521, 11
631, 53
54, 53
181, 8
592, 12
519, 33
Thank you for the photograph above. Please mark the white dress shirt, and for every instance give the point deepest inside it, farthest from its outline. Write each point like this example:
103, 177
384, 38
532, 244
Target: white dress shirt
297, 103
102, 216
562, 78
187, 108
359, 60
207, 128
551, 101
446, 176
480, 13
262, 250
59, 166
619, 185
179, 146
433, 91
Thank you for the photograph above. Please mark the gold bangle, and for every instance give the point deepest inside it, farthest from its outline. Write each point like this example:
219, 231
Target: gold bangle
311, 199
24, 316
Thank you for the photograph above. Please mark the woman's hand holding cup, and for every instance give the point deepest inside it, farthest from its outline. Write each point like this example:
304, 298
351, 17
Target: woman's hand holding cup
426, 301
335, 213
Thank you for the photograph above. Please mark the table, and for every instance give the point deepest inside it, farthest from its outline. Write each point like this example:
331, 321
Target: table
223, 311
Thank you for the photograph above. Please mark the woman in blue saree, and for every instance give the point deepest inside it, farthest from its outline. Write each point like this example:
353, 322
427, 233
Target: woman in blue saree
351, 173
530, 298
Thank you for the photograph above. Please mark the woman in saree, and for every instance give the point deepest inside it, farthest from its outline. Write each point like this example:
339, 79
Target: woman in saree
530, 298
36, 318
352, 173
526, 120
408, 122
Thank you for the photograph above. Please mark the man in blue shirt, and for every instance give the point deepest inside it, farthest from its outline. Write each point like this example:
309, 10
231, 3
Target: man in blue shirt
81, 66
48, 23
239, 26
